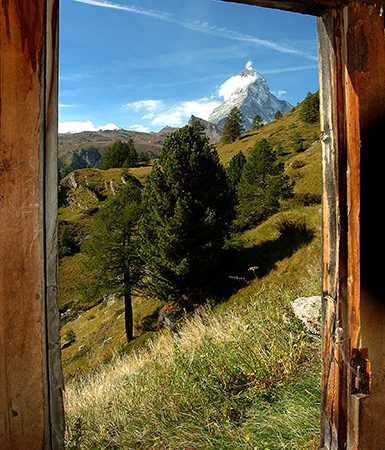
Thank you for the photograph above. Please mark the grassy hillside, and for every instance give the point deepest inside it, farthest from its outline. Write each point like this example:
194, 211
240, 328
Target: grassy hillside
235, 377
281, 133
242, 374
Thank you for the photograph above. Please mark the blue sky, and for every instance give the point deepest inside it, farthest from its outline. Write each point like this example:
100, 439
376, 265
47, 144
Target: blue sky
145, 64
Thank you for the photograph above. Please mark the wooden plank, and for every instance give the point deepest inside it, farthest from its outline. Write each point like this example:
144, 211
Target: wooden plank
365, 97
333, 420
25, 392
313, 7
50, 158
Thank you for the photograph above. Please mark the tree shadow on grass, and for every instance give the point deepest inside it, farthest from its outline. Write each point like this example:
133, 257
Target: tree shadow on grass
243, 264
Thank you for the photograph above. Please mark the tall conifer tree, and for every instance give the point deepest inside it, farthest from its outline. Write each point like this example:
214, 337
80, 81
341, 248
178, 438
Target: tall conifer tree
112, 248
187, 213
233, 126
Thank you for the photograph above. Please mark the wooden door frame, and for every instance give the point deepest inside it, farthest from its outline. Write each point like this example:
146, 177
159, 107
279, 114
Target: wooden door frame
352, 92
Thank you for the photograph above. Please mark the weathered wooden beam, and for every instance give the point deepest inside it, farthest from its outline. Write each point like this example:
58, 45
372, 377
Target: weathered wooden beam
333, 422
313, 7
31, 414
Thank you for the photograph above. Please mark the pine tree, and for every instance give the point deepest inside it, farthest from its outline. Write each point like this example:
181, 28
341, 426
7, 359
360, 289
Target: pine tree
257, 121
263, 184
309, 112
278, 115
112, 249
188, 211
119, 154
234, 170
233, 126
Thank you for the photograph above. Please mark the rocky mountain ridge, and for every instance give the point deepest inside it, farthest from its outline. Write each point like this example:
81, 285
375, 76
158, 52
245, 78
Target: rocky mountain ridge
97, 141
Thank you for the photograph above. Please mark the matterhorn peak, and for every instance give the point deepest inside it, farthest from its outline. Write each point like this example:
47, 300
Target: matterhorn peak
250, 93
248, 70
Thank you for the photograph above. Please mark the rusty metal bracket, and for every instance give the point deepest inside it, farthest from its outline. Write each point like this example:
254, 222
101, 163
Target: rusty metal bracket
360, 381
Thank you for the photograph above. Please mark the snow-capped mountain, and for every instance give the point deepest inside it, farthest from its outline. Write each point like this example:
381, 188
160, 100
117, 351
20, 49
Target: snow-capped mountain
251, 94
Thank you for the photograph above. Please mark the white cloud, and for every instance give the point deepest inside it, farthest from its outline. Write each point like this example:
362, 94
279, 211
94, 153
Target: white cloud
77, 126
159, 113
280, 93
132, 9
139, 127
66, 105
201, 108
178, 114
171, 118
235, 82
290, 69
144, 105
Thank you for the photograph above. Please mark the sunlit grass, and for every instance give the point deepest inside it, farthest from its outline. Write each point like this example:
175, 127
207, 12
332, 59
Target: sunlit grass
245, 378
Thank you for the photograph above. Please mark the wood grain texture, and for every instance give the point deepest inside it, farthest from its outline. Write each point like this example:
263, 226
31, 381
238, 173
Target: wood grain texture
333, 420
25, 419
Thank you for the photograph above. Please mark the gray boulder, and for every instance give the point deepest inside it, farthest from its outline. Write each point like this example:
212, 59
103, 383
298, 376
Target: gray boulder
308, 311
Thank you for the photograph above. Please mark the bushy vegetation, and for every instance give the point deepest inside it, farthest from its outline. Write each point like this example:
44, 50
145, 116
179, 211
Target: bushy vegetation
262, 185
234, 171
257, 121
310, 108
119, 154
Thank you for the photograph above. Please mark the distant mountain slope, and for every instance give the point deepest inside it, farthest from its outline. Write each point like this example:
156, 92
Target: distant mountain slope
252, 97
75, 142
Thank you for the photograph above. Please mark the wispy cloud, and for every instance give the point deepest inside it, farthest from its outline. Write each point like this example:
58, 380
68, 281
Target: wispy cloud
66, 105
132, 9
143, 105
201, 27
204, 27
280, 93
139, 127
88, 125
289, 69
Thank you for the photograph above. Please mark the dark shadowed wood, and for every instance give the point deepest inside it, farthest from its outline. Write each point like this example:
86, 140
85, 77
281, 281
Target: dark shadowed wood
352, 73
30, 375
365, 94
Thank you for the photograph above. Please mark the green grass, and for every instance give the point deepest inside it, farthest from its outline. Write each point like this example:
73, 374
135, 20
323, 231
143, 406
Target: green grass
100, 334
244, 378
280, 133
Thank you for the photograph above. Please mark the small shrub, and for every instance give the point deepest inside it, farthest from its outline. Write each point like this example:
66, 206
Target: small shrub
70, 336
298, 164
298, 143
293, 226
278, 115
307, 199
67, 241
